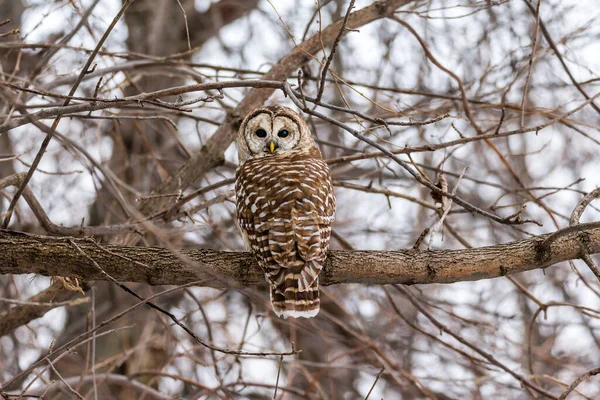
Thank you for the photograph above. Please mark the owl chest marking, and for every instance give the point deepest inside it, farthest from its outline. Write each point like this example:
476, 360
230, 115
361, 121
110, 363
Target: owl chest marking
283, 192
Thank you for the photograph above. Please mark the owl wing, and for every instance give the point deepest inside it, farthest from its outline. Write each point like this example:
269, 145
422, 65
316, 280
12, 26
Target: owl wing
298, 238
285, 211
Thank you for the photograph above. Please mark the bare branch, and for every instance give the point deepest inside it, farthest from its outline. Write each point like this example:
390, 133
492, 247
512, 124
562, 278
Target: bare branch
336, 43
35, 307
50, 134
577, 381
22, 253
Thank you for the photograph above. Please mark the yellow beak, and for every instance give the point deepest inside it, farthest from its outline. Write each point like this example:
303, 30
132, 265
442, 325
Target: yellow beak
272, 146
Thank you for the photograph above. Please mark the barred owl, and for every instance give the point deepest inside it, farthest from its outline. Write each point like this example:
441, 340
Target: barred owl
285, 206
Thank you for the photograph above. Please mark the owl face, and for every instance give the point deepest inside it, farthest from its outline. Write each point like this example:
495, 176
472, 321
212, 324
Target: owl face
270, 131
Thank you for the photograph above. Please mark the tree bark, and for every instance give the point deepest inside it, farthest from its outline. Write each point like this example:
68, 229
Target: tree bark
22, 253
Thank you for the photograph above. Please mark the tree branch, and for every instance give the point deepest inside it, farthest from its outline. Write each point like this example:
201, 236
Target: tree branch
22, 314
22, 253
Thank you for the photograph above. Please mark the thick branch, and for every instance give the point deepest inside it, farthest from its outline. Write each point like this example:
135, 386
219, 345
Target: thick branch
22, 314
23, 253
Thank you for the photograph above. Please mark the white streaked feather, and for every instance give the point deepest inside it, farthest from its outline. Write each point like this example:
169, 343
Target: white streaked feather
297, 314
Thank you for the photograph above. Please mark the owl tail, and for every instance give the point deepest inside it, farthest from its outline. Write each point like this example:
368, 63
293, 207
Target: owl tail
289, 301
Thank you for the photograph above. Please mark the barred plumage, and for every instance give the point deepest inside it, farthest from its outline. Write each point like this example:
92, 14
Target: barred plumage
285, 206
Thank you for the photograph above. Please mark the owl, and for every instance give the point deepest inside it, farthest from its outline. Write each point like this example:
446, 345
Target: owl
285, 206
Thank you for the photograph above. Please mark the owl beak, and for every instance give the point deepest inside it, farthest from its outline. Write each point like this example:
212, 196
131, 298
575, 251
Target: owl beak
272, 146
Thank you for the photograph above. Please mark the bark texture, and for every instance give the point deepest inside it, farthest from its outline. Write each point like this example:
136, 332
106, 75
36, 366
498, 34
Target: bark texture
22, 253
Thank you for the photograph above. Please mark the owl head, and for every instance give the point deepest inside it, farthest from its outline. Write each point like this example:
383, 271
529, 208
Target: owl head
270, 131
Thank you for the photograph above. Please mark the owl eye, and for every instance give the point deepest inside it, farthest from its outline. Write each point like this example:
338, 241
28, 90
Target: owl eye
283, 133
261, 133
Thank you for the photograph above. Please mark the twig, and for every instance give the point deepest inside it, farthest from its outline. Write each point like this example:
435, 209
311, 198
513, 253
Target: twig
577, 381
581, 206
169, 314
50, 134
93, 356
70, 346
530, 63
375, 383
68, 303
417, 176
114, 379
278, 373
73, 391
481, 352
574, 221
548, 38
336, 42
421, 238
101, 104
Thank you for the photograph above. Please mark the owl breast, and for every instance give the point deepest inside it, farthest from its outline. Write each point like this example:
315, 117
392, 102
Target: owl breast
285, 207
